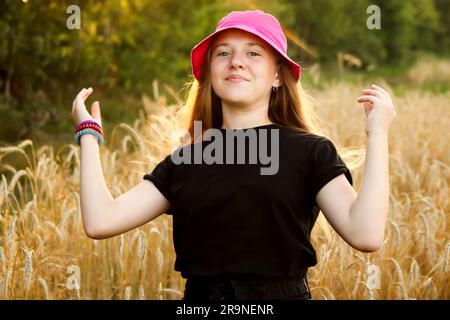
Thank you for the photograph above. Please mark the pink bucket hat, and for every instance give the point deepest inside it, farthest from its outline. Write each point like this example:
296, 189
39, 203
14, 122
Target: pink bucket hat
256, 22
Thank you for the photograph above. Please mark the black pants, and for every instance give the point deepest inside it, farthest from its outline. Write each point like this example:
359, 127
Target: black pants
244, 288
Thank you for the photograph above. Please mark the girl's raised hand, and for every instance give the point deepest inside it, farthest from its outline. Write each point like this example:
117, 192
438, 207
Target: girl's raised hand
79, 111
379, 109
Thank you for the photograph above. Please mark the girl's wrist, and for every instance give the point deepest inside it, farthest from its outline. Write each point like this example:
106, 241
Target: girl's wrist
377, 134
90, 127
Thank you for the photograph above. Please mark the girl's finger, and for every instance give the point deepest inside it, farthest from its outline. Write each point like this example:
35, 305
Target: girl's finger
87, 92
368, 108
80, 93
380, 89
95, 109
373, 92
367, 98
82, 96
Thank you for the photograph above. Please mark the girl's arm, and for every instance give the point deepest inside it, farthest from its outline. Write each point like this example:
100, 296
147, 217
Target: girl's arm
368, 213
102, 215
95, 198
360, 219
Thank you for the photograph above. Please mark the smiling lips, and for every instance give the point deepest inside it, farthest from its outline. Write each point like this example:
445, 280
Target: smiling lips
236, 78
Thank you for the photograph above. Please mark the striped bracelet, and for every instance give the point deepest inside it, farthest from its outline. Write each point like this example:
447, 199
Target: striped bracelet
90, 126
77, 136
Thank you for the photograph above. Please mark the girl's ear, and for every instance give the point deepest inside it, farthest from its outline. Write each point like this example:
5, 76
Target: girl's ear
277, 80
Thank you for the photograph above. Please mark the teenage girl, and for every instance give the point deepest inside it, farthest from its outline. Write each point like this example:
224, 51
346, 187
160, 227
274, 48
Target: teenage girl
240, 234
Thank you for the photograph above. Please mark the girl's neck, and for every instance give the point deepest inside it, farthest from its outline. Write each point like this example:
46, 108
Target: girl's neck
239, 119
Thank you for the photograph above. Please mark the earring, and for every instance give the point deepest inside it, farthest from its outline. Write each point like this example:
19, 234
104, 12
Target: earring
275, 89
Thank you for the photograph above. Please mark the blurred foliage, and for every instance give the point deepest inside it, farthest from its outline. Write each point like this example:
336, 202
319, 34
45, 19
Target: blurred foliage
123, 46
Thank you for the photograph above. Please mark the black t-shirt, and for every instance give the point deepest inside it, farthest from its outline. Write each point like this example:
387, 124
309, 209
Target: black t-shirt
231, 219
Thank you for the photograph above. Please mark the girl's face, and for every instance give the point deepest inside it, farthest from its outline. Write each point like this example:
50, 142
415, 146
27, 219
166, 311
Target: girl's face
237, 52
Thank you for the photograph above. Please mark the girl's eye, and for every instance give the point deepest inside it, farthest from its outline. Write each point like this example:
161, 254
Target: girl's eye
252, 53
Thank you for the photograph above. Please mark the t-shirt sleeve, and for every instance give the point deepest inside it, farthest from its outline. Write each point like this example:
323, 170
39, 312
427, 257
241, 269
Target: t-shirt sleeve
326, 164
161, 176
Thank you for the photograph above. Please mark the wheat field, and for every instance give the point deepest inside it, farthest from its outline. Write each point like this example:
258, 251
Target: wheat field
45, 254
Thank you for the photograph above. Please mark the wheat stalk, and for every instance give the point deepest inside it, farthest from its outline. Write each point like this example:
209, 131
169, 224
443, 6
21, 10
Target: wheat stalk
414, 275
141, 293
12, 229
159, 259
142, 248
6, 284
44, 286
28, 269
2, 260
127, 293
447, 258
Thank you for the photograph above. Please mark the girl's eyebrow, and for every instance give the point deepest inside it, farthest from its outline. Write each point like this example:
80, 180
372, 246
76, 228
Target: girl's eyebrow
225, 44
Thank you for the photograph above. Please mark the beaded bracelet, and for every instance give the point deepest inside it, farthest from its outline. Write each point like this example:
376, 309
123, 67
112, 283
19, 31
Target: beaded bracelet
89, 126
88, 123
77, 136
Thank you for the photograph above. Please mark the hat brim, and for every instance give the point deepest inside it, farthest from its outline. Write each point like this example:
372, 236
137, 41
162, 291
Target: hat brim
198, 53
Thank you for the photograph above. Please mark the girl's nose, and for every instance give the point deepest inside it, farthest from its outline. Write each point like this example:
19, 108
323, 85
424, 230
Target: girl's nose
236, 60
